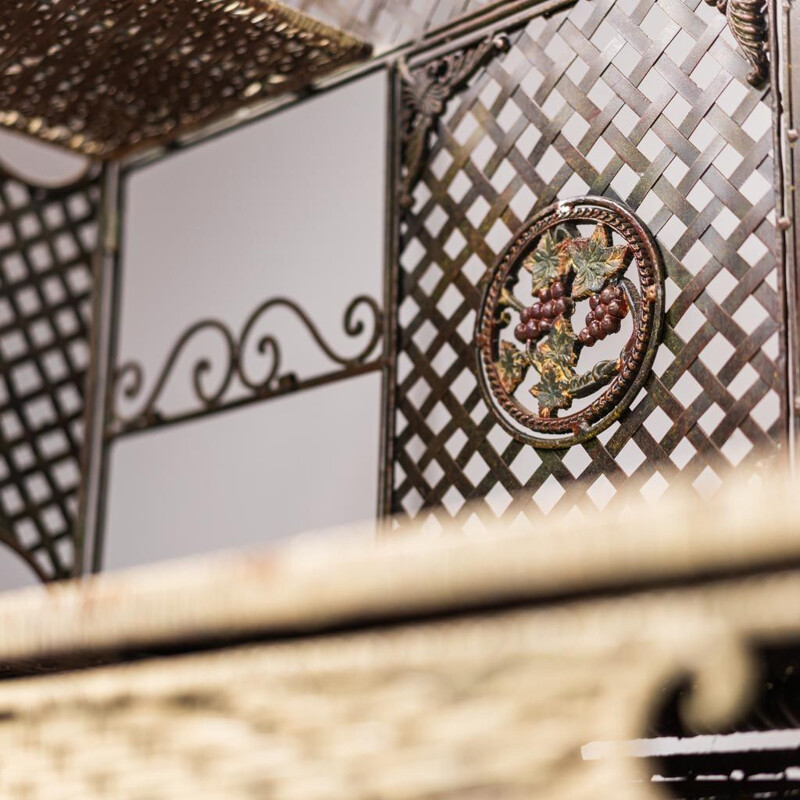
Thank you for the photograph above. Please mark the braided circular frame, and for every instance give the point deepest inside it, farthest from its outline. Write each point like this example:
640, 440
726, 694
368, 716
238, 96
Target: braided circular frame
638, 355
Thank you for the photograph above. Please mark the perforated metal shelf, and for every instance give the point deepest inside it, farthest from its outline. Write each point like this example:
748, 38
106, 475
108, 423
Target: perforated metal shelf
104, 77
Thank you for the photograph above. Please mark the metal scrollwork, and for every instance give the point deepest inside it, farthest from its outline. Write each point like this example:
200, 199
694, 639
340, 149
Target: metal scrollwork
575, 255
424, 98
129, 378
747, 20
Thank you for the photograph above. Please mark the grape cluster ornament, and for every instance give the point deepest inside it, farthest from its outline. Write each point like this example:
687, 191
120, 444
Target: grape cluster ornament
591, 257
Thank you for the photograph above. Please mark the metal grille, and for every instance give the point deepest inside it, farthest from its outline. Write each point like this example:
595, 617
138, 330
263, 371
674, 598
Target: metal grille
47, 237
646, 103
389, 22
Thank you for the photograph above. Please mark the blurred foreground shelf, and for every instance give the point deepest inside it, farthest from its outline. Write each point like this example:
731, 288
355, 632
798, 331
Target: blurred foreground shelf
514, 666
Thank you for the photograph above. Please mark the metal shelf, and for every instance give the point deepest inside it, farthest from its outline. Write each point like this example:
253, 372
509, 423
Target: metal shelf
105, 78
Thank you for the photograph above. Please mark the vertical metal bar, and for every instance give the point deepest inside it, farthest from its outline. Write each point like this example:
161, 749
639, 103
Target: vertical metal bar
105, 319
783, 204
390, 289
784, 42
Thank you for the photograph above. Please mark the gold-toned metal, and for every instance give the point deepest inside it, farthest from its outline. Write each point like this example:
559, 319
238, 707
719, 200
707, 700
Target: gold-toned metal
105, 77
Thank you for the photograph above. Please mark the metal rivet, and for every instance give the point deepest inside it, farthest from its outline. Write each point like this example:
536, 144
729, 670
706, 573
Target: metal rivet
792, 134
784, 223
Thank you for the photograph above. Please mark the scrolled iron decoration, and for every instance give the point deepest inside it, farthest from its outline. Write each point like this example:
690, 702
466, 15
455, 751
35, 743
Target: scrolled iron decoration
574, 253
747, 20
425, 95
129, 378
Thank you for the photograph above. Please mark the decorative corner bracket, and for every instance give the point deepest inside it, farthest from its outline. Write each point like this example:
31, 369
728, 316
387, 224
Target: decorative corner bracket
747, 20
425, 93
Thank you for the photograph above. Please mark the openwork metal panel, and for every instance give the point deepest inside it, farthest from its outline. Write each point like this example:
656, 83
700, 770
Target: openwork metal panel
105, 77
644, 103
389, 22
47, 238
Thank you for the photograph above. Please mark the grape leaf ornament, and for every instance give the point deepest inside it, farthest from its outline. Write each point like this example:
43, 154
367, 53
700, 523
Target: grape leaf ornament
588, 256
593, 261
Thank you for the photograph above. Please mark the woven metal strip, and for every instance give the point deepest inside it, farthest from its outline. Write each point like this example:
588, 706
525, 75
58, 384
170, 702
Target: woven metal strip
47, 237
389, 22
646, 103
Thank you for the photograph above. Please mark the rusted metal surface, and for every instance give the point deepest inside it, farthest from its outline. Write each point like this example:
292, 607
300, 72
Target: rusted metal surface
47, 240
567, 266
235, 384
104, 78
641, 107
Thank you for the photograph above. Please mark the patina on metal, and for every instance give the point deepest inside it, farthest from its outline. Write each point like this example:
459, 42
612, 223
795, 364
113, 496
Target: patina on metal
559, 264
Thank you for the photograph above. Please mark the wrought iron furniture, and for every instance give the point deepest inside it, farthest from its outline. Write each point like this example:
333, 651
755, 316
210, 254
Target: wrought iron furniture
630, 166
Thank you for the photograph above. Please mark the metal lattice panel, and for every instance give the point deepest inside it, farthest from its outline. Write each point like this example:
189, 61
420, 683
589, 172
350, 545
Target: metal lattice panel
106, 77
646, 103
389, 22
47, 237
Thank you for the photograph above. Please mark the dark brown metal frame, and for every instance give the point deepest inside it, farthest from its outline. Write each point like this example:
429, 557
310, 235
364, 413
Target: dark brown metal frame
104, 425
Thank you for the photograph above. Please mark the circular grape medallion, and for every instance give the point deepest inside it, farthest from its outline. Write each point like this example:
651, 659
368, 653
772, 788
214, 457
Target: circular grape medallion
570, 321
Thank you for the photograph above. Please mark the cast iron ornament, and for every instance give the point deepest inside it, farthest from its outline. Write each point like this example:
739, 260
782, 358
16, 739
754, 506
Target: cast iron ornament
573, 251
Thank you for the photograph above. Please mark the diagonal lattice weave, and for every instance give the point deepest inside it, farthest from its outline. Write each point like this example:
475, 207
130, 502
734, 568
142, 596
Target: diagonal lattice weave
645, 102
389, 22
47, 237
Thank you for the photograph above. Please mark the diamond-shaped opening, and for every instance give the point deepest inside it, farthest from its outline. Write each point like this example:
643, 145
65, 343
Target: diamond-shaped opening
455, 443
433, 473
435, 221
717, 353
658, 423
745, 378
630, 458
691, 322
601, 492
455, 243
476, 469
523, 202
453, 501
477, 211
548, 494
686, 389
654, 488
549, 165
498, 499
722, 285
499, 236
412, 502
752, 250
711, 419
750, 314
767, 411
444, 359
438, 417
66, 474
682, 453
736, 447
525, 464
576, 460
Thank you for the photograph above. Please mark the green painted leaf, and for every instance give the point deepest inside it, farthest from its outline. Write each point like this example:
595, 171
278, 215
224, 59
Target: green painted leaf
552, 390
512, 366
545, 263
560, 343
554, 359
594, 261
